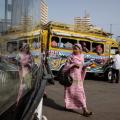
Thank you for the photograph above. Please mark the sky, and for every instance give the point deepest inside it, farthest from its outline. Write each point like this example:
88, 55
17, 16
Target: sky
103, 13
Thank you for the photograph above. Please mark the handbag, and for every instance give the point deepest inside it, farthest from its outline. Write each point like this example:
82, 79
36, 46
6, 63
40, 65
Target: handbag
65, 79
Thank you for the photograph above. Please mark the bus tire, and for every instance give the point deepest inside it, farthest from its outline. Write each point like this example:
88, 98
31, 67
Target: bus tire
108, 75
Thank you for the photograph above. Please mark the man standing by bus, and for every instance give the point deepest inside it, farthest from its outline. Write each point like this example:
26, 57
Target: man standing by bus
116, 67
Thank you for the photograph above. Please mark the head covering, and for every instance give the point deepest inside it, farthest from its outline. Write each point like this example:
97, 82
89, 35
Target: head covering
78, 45
24, 46
84, 44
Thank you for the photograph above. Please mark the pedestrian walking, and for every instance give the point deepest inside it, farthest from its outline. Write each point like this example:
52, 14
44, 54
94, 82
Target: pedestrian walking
75, 95
116, 68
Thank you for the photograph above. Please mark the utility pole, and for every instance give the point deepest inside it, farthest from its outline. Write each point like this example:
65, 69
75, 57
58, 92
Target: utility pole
6, 14
111, 29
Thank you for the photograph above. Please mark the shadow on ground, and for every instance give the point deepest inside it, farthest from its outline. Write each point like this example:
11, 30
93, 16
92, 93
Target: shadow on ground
52, 104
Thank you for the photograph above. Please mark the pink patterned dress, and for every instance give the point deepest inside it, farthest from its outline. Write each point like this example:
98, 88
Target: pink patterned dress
26, 61
74, 95
25, 73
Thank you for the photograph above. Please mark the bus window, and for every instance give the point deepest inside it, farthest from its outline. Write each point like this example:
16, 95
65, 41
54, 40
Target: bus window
113, 50
12, 46
85, 45
98, 48
55, 41
68, 43
35, 42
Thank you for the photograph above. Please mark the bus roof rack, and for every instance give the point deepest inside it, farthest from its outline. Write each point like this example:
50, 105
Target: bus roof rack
69, 27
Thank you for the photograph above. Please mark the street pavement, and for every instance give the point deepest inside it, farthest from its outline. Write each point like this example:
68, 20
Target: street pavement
103, 99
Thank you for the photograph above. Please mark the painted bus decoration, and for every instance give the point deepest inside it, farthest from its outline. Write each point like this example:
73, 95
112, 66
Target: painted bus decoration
57, 39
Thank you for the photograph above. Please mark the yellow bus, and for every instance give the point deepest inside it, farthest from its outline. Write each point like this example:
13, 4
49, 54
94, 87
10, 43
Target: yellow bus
59, 39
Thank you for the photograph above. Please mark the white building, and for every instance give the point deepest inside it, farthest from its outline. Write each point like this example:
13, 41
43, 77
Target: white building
82, 24
36, 9
5, 21
44, 12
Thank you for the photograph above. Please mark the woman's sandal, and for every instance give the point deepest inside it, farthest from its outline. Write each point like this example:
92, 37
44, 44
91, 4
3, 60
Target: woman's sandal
87, 114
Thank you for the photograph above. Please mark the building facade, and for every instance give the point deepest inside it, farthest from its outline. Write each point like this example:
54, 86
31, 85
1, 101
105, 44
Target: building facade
82, 24
5, 21
20, 14
44, 12
20, 9
37, 10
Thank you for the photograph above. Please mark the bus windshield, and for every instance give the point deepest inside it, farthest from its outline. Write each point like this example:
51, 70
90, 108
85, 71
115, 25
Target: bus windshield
113, 50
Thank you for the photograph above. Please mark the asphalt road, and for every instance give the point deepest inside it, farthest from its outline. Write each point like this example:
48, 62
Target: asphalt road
102, 98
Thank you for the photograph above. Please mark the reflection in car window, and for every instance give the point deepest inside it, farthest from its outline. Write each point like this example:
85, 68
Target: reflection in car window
12, 46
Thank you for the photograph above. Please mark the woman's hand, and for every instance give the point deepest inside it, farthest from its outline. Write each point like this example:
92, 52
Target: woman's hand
76, 65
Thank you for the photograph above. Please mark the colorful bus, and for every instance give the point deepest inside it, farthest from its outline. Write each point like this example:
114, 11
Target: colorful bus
96, 47
58, 40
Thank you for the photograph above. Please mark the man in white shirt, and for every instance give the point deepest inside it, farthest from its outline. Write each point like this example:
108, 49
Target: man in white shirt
116, 66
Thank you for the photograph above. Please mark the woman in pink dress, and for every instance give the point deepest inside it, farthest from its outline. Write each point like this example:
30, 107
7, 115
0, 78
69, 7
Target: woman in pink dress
75, 95
26, 60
